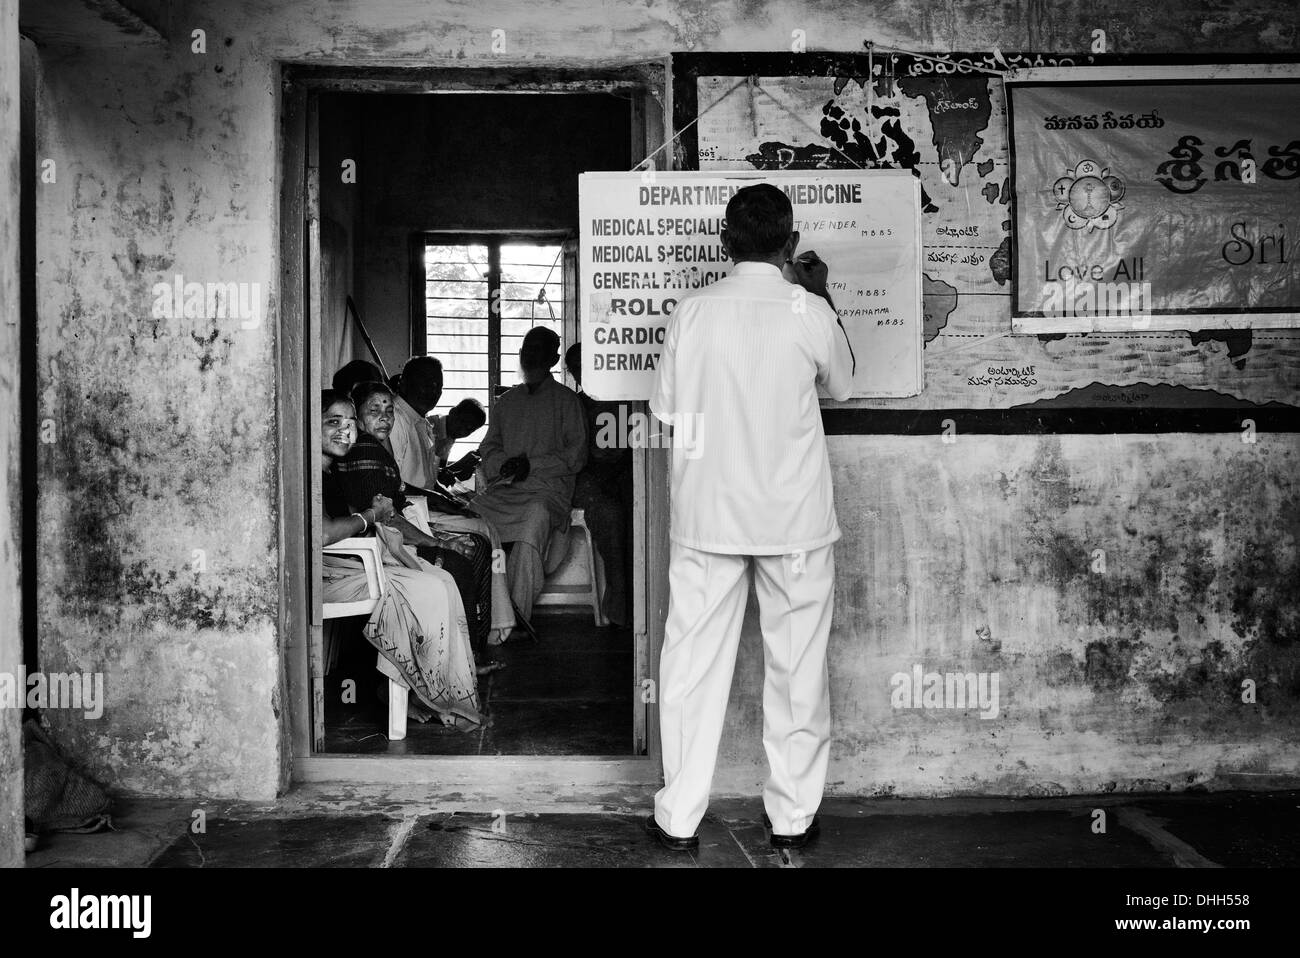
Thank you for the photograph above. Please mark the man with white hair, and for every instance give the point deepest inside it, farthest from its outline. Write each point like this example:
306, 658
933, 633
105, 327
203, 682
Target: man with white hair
536, 445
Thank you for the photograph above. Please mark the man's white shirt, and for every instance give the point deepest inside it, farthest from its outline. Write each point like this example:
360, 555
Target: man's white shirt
412, 441
743, 358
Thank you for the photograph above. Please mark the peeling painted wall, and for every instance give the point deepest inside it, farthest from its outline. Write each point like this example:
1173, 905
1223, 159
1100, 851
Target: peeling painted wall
158, 505
166, 436
1122, 588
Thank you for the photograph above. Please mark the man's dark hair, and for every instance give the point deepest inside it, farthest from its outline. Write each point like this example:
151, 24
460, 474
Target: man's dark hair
421, 368
759, 221
363, 391
539, 346
471, 410
357, 371
573, 362
422, 380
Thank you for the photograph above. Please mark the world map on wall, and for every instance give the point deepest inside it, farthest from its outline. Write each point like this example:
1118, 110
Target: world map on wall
951, 131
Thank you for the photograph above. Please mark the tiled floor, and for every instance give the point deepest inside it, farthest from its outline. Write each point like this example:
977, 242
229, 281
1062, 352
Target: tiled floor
315, 828
570, 693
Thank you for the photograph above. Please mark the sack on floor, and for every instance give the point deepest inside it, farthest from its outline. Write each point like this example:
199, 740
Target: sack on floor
58, 798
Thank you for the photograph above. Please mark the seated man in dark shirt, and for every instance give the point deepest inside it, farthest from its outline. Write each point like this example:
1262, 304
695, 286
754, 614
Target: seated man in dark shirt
604, 493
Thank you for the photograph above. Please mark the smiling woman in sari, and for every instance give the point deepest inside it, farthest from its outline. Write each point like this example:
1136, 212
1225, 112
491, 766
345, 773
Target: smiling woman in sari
460, 544
419, 626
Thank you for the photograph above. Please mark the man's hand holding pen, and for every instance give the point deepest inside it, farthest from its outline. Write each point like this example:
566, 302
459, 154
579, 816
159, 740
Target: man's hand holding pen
810, 272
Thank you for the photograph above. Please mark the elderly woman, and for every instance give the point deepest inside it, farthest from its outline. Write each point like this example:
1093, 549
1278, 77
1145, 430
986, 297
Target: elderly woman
370, 469
419, 626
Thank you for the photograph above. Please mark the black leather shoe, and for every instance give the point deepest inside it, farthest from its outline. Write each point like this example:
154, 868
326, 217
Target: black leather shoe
670, 842
794, 841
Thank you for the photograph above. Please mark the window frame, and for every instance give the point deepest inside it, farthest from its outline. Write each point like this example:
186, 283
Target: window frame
494, 240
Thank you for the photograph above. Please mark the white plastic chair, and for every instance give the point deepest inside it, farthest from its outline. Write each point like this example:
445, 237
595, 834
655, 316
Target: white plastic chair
575, 576
372, 563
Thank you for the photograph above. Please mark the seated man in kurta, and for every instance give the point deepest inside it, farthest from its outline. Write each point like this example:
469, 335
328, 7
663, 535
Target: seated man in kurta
536, 445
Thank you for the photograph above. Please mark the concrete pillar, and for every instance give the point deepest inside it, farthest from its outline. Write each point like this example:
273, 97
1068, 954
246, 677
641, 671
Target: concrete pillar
11, 505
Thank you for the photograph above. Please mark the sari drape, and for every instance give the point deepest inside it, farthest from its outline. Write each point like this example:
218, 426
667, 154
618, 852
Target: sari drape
418, 628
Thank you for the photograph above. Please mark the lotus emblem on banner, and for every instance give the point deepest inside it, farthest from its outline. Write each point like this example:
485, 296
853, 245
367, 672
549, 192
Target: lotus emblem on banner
1089, 196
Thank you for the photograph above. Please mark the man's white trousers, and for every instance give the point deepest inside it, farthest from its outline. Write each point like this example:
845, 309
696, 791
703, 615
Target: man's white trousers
706, 607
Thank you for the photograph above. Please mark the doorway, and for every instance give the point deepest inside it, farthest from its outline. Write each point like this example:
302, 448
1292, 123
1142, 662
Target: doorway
355, 243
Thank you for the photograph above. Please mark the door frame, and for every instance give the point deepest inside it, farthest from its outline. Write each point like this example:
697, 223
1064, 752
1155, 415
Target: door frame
298, 401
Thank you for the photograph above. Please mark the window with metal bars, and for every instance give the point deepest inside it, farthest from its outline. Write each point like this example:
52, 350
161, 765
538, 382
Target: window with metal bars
478, 345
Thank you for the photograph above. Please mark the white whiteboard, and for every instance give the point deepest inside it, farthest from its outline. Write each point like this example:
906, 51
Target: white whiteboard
648, 238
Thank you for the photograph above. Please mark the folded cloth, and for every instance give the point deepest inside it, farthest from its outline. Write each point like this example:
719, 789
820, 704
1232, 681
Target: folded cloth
422, 636
503, 613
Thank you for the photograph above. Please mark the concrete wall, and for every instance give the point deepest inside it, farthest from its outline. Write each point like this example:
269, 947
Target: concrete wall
1121, 588
167, 437
11, 633
158, 502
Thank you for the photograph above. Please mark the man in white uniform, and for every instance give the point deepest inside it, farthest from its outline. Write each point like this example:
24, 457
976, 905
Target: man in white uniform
741, 363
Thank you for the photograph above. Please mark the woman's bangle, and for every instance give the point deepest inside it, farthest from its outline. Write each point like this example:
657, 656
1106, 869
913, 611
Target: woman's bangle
364, 523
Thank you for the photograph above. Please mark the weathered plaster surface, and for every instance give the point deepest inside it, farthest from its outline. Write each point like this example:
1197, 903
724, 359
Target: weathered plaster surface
166, 437
979, 557
158, 494
11, 640
398, 30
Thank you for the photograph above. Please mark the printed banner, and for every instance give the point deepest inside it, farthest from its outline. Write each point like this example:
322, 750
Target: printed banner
649, 238
1155, 203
